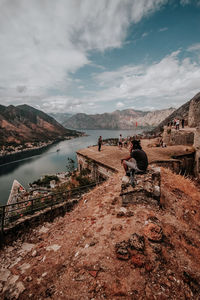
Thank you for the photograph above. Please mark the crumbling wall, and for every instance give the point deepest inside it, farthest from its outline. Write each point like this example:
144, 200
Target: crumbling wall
177, 137
194, 112
98, 170
147, 189
197, 153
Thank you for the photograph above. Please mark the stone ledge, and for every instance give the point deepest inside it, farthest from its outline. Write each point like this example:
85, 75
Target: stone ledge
28, 222
147, 189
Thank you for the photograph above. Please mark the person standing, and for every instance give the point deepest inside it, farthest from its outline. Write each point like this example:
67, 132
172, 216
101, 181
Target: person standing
120, 141
177, 124
99, 143
183, 123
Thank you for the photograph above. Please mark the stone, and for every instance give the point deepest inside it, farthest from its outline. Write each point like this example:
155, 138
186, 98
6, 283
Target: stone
54, 247
153, 232
93, 273
19, 289
34, 253
136, 241
24, 267
43, 229
4, 274
26, 247
12, 279
122, 250
29, 278
138, 260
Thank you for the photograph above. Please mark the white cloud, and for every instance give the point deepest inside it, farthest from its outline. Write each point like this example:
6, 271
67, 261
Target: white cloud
43, 42
166, 82
119, 105
195, 47
144, 34
185, 2
163, 29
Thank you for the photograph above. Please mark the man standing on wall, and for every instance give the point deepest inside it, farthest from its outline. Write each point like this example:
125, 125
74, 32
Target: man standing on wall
99, 143
120, 141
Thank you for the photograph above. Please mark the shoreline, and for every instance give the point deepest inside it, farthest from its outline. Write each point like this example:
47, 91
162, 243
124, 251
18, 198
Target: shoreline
27, 153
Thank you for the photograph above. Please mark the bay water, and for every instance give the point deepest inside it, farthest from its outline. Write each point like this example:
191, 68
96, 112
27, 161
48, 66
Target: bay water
51, 161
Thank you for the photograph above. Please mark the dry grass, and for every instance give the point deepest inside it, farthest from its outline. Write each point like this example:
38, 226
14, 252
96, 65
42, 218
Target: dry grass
174, 182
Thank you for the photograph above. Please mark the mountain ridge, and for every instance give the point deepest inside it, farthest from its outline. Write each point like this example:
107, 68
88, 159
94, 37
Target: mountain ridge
23, 123
125, 119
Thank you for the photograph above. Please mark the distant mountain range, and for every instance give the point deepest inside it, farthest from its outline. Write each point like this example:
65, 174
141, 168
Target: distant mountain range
24, 123
124, 119
61, 117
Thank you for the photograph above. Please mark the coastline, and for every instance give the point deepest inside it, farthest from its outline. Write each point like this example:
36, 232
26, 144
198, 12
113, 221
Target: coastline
25, 153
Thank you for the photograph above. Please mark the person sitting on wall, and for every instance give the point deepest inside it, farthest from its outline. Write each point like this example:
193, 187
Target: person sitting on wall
137, 161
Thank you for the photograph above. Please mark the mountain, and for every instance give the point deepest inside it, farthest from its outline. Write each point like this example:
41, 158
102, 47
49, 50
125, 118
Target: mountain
125, 119
190, 112
61, 117
24, 123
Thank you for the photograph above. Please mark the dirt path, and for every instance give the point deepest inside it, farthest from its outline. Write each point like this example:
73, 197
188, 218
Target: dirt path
75, 256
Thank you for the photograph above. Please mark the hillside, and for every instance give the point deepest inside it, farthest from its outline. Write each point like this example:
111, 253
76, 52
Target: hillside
75, 256
125, 119
24, 123
187, 112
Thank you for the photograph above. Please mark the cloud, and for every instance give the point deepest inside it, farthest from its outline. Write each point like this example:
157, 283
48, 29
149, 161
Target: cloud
185, 2
171, 81
168, 82
145, 34
195, 47
119, 104
163, 29
44, 42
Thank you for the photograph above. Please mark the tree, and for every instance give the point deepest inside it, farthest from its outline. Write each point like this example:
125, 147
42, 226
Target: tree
70, 166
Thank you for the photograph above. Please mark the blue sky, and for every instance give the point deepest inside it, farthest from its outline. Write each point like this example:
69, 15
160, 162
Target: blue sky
98, 56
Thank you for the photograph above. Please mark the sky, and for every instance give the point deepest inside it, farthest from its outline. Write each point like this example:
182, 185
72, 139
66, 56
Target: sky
95, 56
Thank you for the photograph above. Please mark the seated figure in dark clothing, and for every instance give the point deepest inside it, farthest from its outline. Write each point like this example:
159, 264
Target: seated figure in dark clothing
137, 161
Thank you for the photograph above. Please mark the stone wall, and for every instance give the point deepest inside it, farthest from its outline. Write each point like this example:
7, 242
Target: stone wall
194, 111
177, 137
98, 170
24, 224
197, 154
147, 189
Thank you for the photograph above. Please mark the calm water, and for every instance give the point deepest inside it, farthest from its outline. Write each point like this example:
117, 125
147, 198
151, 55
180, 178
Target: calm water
30, 169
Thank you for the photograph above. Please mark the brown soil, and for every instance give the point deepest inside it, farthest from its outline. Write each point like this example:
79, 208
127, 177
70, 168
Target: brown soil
81, 255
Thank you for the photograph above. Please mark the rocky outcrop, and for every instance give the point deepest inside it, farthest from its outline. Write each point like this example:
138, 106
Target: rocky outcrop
194, 111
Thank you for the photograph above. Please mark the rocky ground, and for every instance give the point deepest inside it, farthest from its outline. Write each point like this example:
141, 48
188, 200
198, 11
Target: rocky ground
103, 250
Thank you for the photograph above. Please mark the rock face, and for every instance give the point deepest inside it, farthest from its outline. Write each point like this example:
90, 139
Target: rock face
190, 112
194, 111
125, 119
24, 123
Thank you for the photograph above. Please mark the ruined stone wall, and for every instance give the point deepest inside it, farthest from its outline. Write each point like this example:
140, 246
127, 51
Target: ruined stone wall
98, 170
173, 137
147, 189
197, 154
194, 112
